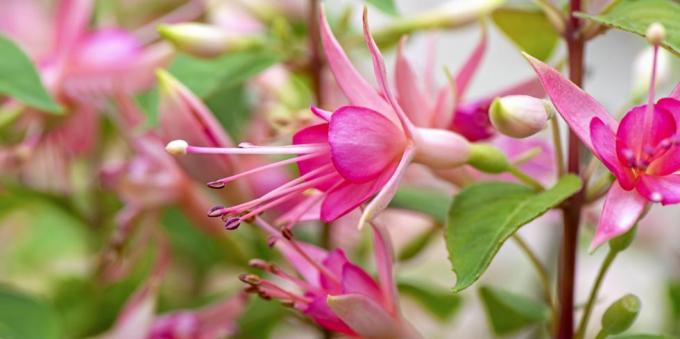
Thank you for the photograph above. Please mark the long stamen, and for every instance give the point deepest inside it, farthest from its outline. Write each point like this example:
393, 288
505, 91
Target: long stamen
655, 35
258, 150
221, 182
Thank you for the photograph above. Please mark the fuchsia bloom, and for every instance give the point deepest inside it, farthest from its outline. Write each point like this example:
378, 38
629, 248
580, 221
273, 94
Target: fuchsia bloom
334, 292
641, 151
360, 151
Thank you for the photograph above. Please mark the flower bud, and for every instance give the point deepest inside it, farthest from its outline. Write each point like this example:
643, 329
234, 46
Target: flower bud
622, 242
656, 33
488, 159
519, 116
204, 40
621, 314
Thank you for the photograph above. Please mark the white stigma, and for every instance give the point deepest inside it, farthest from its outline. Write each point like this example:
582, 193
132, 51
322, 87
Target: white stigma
177, 147
656, 33
656, 197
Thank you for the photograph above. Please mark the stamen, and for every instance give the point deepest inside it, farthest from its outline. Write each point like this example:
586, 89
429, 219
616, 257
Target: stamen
656, 197
258, 150
232, 223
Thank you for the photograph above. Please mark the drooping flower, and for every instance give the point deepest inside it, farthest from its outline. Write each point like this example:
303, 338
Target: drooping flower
331, 290
641, 150
358, 152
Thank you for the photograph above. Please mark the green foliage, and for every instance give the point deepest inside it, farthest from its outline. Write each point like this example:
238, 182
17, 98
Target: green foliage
529, 29
620, 315
25, 317
386, 6
440, 302
484, 215
430, 202
20, 79
635, 16
259, 319
642, 336
509, 312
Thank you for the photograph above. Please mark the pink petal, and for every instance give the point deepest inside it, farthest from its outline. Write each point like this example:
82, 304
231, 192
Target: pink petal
530, 87
308, 271
672, 106
72, 19
663, 189
576, 106
363, 143
28, 23
389, 189
621, 211
384, 258
411, 96
604, 142
632, 131
347, 196
356, 281
106, 49
315, 134
335, 263
381, 75
471, 65
319, 311
321, 113
365, 317
357, 90
471, 120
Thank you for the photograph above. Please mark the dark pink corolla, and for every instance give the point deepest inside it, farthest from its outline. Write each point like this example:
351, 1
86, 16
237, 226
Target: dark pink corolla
359, 151
641, 151
334, 292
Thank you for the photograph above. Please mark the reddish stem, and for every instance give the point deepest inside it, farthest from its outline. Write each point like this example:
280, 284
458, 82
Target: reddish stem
564, 328
316, 60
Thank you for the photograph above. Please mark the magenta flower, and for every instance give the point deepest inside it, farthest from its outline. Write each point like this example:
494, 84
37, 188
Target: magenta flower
358, 152
337, 294
641, 151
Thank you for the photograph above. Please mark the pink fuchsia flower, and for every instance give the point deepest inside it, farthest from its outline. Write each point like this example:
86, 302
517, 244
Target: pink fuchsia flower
641, 151
334, 292
360, 151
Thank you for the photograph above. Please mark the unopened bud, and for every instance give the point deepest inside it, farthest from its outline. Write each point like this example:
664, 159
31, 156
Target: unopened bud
656, 33
177, 147
519, 116
203, 40
622, 242
488, 159
621, 314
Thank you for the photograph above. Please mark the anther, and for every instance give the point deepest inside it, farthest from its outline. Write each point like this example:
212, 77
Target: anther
232, 223
287, 233
215, 211
177, 147
216, 184
656, 197
250, 279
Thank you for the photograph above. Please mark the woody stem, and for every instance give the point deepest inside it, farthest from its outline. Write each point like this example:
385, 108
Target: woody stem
564, 328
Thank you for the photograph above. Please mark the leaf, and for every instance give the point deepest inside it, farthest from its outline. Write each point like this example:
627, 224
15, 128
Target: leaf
430, 202
440, 302
642, 336
635, 16
205, 76
259, 319
521, 25
24, 317
509, 312
20, 80
484, 215
386, 6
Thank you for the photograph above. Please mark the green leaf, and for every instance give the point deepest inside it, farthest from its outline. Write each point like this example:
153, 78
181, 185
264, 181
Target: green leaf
642, 336
635, 16
484, 215
522, 27
430, 202
509, 312
440, 302
20, 80
205, 76
24, 317
386, 6
259, 319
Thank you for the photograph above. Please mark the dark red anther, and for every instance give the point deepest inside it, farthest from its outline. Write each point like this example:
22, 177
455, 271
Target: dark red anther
216, 184
215, 211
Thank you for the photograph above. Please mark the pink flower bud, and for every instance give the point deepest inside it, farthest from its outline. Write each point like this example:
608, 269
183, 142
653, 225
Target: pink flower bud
519, 116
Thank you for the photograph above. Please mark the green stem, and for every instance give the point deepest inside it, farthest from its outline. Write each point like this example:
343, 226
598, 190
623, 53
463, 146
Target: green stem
557, 142
540, 270
587, 311
525, 178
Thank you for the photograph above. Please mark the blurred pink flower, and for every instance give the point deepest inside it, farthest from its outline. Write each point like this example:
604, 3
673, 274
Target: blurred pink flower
337, 294
641, 150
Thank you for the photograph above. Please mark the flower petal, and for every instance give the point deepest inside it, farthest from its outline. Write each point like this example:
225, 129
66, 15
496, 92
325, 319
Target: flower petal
347, 196
576, 106
335, 263
319, 311
72, 19
356, 281
663, 189
389, 189
671, 105
384, 259
363, 143
411, 96
621, 211
632, 132
604, 144
356, 89
308, 271
469, 68
530, 87
365, 317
